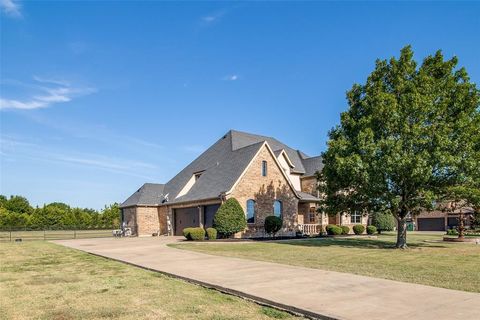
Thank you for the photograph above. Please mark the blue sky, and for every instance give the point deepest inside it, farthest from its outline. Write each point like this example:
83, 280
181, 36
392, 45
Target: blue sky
100, 97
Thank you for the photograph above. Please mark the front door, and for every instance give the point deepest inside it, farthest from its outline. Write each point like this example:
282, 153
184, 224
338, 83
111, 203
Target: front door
185, 218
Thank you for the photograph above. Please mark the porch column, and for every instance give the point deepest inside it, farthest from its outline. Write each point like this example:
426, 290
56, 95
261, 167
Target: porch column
200, 216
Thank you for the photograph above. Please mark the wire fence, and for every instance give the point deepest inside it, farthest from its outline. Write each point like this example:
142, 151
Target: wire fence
25, 234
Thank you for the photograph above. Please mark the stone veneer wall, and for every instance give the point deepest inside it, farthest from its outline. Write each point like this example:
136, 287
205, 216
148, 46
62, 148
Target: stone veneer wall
309, 185
265, 190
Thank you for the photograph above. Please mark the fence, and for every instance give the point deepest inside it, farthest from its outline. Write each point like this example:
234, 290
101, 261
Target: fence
23, 234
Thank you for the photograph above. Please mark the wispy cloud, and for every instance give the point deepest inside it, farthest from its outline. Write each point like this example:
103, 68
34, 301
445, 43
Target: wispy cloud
11, 8
15, 148
231, 77
50, 91
214, 16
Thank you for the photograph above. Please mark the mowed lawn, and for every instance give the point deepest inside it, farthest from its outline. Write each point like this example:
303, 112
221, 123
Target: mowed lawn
42, 280
447, 265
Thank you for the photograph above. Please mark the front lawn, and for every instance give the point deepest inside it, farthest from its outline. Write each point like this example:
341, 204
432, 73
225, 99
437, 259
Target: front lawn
41, 280
447, 265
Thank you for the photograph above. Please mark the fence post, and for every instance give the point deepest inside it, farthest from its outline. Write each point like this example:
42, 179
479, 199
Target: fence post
10, 235
44, 236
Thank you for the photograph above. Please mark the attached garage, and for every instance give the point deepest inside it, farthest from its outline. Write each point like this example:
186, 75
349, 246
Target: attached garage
431, 224
186, 218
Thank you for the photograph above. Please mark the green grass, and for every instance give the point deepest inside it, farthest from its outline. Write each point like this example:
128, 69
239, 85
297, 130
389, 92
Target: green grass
439, 264
41, 280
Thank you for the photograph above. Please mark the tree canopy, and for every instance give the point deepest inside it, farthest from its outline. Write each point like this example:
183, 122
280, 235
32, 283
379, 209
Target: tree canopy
409, 133
16, 212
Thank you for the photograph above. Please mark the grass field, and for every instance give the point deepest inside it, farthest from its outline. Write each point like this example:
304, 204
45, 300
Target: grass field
53, 234
447, 265
41, 280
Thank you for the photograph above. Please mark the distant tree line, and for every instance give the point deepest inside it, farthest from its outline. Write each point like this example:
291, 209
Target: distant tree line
16, 212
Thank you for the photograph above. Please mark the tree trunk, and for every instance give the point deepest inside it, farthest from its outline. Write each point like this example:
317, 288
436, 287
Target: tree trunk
461, 225
401, 233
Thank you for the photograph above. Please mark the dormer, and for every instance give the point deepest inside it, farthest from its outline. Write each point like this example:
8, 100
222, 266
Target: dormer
194, 178
288, 166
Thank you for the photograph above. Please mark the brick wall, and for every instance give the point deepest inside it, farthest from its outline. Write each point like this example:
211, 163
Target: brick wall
264, 190
147, 220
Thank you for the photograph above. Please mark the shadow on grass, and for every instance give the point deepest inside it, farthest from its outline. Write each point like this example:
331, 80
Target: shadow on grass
354, 243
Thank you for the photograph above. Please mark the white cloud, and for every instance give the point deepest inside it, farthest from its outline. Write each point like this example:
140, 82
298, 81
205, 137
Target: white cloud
11, 8
232, 77
215, 16
57, 91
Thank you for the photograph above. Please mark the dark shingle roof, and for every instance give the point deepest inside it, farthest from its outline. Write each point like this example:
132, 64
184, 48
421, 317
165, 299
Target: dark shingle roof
242, 139
307, 196
221, 166
148, 194
312, 165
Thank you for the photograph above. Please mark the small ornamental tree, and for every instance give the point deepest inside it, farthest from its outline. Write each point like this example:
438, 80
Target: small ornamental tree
273, 224
383, 221
229, 218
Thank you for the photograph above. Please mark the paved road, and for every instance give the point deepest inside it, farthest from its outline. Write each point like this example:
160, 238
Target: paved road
321, 293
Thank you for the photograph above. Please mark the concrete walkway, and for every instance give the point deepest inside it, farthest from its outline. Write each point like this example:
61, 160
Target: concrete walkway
316, 293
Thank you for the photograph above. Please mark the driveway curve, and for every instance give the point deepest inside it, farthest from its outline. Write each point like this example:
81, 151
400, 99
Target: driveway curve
311, 292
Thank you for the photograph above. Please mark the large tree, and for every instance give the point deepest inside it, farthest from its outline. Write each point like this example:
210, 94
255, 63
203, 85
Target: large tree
404, 138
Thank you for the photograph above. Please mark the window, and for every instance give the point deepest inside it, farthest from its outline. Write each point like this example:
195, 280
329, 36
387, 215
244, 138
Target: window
250, 211
277, 209
264, 168
356, 217
311, 215
197, 175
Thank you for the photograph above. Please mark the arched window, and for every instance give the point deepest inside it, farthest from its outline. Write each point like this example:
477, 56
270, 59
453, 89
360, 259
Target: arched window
264, 168
250, 211
277, 209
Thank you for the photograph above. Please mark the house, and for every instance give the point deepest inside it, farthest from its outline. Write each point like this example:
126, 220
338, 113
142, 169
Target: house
266, 176
440, 220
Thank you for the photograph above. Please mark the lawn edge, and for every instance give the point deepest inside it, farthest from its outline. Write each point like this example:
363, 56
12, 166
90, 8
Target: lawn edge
248, 297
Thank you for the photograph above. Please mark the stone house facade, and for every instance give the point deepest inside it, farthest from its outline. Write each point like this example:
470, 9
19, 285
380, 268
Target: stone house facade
266, 176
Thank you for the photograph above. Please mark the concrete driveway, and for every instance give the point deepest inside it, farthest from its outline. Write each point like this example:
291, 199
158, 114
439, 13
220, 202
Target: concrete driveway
312, 292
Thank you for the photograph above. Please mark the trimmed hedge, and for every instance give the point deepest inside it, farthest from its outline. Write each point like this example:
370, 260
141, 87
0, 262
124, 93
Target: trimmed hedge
273, 224
229, 218
358, 229
195, 234
333, 230
371, 229
211, 233
345, 229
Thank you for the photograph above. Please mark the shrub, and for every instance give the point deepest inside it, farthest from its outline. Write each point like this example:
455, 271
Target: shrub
229, 218
211, 233
383, 221
358, 229
328, 228
371, 229
197, 234
273, 224
345, 229
333, 230
186, 233
452, 232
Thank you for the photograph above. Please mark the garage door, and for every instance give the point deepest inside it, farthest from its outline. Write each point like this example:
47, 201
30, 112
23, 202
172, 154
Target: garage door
431, 224
209, 214
185, 218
